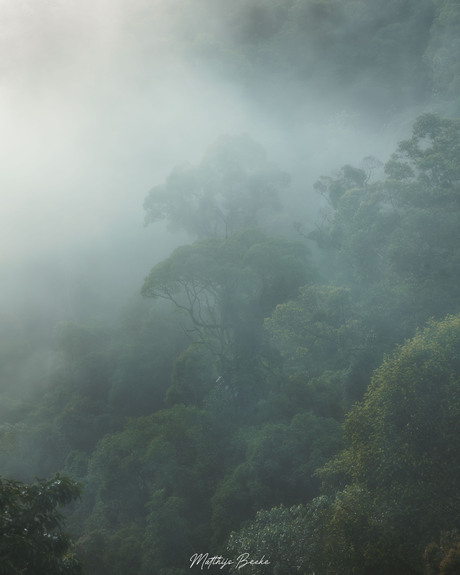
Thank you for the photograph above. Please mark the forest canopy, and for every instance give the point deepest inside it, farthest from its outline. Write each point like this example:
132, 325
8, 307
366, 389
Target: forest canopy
284, 384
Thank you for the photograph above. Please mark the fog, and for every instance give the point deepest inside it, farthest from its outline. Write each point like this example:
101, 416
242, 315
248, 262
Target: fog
188, 396
98, 102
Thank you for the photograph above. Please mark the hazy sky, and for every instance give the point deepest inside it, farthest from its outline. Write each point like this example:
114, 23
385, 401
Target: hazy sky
95, 109
92, 114
97, 104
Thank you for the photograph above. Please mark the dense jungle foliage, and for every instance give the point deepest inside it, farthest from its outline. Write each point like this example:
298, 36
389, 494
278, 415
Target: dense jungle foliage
285, 391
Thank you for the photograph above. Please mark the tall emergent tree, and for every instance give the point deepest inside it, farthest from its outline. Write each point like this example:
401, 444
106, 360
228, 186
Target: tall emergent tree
225, 288
234, 187
396, 242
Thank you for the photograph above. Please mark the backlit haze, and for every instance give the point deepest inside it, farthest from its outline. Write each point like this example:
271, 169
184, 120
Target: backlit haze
99, 101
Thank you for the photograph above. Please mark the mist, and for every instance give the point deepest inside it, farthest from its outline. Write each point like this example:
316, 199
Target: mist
98, 102
175, 343
93, 115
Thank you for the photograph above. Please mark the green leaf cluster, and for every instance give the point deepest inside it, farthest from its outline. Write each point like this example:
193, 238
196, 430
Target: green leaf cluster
32, 540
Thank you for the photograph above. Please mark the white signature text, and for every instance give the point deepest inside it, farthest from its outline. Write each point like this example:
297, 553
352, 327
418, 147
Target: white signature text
203, 560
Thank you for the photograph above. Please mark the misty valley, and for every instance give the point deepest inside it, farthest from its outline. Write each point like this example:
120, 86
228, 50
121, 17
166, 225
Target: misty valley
229, 287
